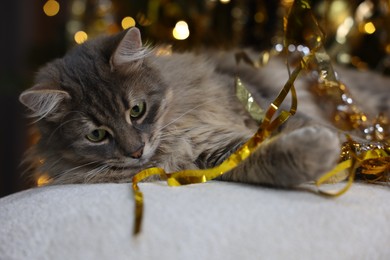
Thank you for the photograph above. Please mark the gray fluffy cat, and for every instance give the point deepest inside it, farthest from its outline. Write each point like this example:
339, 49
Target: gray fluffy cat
111, 108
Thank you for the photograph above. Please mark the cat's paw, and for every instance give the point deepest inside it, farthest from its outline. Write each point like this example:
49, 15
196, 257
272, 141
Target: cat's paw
308, 153
290, 158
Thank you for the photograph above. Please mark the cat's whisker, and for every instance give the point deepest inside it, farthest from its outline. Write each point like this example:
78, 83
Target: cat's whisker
79, 167
71, 175
95, 171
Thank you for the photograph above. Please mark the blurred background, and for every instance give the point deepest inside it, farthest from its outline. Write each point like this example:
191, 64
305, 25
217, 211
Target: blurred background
34, 32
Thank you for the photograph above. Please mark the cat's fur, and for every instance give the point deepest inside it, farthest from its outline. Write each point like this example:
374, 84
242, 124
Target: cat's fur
192, 118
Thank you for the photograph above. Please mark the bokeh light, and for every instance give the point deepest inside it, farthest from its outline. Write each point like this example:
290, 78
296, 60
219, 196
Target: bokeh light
181, 31
51, 8
43, 180
80, 37
78, 7
369, 28
128, 22
344, 29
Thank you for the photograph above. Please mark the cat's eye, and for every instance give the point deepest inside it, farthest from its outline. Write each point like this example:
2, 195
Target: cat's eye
138, 110
97, 135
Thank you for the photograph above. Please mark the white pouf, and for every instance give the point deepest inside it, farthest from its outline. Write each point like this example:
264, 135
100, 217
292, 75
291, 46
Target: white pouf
215, 220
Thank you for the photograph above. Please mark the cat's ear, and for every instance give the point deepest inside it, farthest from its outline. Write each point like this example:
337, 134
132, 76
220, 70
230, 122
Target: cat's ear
43, 100
129, 50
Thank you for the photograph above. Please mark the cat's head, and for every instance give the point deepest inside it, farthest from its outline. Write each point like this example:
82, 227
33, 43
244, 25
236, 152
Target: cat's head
100, 104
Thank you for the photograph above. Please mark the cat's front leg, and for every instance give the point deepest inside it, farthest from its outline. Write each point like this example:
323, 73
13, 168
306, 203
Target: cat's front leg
291, 158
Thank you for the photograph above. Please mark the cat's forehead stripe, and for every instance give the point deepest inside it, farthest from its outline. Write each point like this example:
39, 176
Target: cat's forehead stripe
105, 103
125, 103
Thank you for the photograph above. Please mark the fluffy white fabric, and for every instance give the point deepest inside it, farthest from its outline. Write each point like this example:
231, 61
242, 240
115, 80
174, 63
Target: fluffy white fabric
216, 220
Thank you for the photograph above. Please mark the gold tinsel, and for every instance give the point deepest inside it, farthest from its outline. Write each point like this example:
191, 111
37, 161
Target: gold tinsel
368, 160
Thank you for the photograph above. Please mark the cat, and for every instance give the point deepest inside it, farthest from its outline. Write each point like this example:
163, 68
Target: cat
111, 107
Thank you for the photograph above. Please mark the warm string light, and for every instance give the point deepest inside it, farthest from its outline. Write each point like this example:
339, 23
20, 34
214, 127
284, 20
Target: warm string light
127, 22
344, 29
181, 31
80, 37
43, 180
51, 8
369, 28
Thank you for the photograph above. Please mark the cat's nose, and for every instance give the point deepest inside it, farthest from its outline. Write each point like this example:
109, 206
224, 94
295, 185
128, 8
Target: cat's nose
138, 152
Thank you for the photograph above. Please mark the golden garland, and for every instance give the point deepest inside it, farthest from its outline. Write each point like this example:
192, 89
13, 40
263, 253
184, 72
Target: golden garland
369, 159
